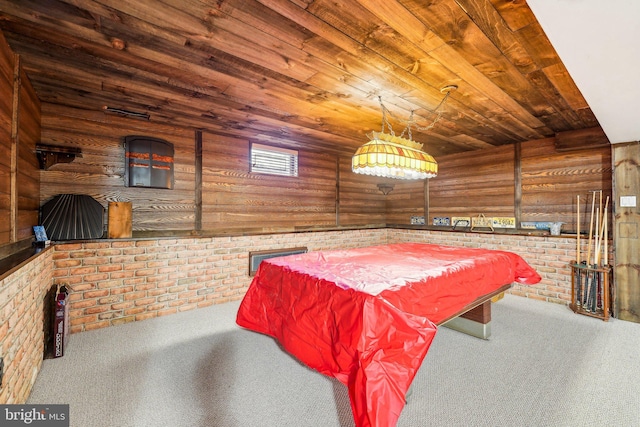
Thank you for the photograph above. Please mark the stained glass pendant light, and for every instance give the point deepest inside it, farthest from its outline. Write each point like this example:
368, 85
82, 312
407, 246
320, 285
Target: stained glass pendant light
390, 156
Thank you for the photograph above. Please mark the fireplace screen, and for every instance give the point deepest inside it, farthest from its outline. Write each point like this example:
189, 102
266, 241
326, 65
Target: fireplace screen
149, 162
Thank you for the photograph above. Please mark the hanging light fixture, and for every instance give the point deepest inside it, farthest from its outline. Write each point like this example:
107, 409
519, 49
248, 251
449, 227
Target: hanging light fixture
391, 156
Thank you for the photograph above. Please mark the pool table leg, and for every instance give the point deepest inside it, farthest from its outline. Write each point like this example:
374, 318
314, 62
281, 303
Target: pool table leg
475, 322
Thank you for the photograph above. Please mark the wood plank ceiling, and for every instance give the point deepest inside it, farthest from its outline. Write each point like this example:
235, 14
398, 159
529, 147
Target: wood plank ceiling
304, 72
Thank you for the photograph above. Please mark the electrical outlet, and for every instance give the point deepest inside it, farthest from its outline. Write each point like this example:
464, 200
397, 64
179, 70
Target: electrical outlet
1, 370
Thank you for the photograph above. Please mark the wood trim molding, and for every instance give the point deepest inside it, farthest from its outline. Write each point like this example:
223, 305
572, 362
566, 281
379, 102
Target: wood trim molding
517, 182
198, 181
15, 120
581, 139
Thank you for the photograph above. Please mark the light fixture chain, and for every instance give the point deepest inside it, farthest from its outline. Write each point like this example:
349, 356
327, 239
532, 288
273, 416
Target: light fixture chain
385, 121
438, 117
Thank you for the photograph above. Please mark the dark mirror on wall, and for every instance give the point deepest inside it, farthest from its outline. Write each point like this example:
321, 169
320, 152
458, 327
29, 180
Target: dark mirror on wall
149, 162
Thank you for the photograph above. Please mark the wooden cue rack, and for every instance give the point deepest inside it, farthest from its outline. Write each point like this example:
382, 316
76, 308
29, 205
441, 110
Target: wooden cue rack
590, 291
591, 279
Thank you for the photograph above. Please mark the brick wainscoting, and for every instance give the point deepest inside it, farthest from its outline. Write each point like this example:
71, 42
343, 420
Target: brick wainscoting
550, 256
118, 281
23, 319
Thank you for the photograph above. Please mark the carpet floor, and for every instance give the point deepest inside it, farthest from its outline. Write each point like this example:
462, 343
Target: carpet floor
543, 366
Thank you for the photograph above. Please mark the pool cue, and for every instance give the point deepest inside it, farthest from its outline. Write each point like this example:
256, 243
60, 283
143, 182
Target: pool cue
593, 206
605, 262
606, 258
602, 263
578, 277
578, 232
601, 235
596, 253
601, 211
588, 276
596, 241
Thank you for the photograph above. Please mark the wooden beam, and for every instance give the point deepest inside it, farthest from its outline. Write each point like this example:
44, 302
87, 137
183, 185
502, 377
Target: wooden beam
517, 183
198, 181
581, 139
15, 120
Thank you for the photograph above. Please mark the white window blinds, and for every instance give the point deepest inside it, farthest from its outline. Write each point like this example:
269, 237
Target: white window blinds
273, 160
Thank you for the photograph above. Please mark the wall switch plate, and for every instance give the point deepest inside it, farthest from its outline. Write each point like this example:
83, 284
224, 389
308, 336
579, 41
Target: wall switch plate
627, 201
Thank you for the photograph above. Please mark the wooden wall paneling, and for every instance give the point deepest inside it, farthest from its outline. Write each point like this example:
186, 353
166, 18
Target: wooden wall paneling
234, 198
361, 202
427, 201
551, 181
473, 183
99, 172
581, 139
627, 232
28, 176
19, 133
407, 199
7, 59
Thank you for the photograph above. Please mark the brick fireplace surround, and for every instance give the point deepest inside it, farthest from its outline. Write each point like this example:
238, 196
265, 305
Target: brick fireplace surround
112, 282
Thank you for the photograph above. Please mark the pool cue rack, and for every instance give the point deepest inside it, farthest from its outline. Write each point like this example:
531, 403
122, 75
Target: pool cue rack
591, 279
590, 290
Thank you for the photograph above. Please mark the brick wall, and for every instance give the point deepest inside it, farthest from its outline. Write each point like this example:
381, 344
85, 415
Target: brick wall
118, 281
23, 320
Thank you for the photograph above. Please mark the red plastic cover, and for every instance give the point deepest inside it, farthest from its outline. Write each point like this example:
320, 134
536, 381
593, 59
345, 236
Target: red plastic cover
367, 316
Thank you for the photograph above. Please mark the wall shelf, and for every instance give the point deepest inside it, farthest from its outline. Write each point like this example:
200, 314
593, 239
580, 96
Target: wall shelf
49, 155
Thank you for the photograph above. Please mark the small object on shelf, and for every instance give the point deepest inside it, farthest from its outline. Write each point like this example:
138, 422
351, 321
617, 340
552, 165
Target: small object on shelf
481, 221
460, 222
41, 236
535, 225
417, 220
504, 222
554, 228
446, 221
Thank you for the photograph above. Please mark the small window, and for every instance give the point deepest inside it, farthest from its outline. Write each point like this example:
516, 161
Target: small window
273, 160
